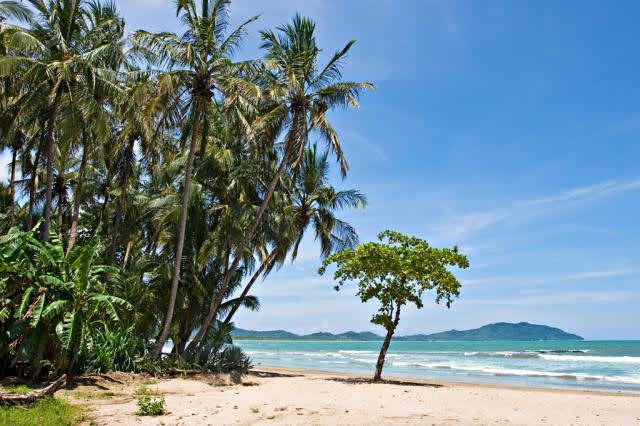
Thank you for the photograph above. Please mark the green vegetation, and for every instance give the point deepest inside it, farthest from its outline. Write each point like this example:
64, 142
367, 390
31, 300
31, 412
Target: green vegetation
396, 271
17, 388
149, 406
154, 180
46, 412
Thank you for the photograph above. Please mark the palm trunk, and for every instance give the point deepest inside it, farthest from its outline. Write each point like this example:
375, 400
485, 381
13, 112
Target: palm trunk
73, 231
385, 345
215, 302
33, 187
46, 225
175, 278
127, 252
119, 215
267, 263
12, 184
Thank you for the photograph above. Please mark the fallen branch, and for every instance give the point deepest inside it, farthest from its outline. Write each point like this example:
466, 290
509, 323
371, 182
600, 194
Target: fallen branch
180, 371
9, 398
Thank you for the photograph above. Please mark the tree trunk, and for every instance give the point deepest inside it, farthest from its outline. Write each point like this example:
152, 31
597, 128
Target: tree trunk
7, 398
12, 182
73, 231
385, 345
33, 186
215, 302
175, 278
119, 214
46, 225
267, 263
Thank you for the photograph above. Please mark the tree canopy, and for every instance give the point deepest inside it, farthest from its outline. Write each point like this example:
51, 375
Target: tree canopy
396, 271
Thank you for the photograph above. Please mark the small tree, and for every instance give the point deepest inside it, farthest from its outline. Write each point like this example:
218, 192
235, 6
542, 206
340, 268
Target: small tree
396, 271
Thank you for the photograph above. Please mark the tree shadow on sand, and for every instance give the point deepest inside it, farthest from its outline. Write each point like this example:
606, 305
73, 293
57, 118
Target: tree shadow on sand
365, 381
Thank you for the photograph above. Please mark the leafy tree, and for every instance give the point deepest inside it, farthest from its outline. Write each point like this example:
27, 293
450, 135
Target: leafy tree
397, 271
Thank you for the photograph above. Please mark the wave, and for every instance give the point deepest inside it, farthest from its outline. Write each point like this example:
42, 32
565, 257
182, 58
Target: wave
587, 358
497, 371
563, 351
503, 354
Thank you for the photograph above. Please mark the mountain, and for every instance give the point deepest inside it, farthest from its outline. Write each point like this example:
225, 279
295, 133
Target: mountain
497, 331
501, 331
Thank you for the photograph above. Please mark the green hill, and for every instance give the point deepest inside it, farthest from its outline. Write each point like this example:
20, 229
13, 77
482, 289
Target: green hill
497, 331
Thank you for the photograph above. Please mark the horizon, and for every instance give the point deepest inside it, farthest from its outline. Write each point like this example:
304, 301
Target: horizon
497, 127
414, 334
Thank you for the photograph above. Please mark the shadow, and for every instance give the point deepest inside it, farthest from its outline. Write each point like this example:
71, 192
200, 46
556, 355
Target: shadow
365, 381
258, 373
91, 381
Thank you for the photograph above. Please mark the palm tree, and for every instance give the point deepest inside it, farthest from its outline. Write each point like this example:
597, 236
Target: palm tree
313, 203
199, 63
296, 99
63, 70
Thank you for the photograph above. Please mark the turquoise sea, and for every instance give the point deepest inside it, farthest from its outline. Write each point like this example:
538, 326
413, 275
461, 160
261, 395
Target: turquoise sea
600, 365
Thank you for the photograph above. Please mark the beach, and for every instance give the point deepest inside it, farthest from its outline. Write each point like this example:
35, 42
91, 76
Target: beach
271, 395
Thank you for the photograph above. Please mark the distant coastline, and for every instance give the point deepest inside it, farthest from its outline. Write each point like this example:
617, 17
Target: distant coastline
522, 331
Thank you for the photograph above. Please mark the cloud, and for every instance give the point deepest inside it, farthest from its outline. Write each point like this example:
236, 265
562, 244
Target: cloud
604, 274
5, 160
558, 298
461, 225
587, 193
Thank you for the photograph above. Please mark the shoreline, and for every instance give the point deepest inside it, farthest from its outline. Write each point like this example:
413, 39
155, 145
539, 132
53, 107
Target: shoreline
438, 382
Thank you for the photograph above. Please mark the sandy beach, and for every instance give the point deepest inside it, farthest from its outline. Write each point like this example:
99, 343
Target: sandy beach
288, 396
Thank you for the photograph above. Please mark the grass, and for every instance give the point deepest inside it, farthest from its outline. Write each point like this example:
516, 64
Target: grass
46, 412
150, 382
17, 388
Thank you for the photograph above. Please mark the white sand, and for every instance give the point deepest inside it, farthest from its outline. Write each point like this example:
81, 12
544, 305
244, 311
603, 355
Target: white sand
284, 396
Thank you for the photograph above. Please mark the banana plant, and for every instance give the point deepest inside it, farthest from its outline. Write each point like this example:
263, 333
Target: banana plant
50, 300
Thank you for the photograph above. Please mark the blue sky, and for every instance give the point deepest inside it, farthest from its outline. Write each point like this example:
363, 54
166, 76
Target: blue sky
511, 129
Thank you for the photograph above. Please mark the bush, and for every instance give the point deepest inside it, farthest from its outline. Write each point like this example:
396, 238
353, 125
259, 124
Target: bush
231, 359
151, 406
114, 350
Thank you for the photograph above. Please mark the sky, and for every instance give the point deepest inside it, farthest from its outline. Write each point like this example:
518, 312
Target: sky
510, 129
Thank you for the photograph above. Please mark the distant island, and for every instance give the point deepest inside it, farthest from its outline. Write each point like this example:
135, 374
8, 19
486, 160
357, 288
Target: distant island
497, 331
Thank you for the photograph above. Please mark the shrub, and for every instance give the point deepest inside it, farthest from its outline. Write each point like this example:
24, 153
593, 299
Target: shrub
151, 406
114, 350
231, 359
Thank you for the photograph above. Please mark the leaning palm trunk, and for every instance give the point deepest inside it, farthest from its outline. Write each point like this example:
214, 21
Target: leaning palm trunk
175, 278
48, 148
265, 265
217, 300
73, 231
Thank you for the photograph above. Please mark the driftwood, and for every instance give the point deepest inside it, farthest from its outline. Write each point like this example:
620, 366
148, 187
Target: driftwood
8, 398
179, 371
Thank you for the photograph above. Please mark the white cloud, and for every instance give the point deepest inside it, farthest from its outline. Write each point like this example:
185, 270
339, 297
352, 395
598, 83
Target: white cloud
461, 225
604, 274
5, 161
558, 298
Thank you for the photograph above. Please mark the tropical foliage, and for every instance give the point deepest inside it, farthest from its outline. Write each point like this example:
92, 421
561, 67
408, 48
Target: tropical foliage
396, 271
154, 179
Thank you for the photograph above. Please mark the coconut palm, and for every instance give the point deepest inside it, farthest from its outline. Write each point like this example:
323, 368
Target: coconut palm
199, 63
297, 96
63, 59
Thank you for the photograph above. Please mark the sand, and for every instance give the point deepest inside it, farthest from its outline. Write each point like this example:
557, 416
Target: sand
286, 396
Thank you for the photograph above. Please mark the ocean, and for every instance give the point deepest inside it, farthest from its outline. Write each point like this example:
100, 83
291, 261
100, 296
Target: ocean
597, 365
